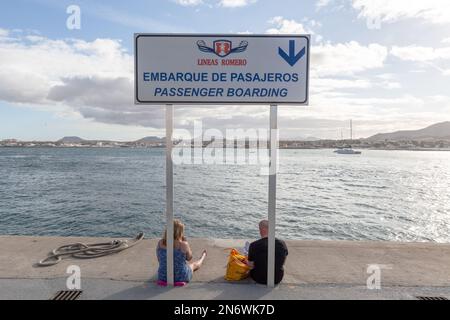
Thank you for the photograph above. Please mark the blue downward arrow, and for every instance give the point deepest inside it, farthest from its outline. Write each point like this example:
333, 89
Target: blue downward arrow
292, 58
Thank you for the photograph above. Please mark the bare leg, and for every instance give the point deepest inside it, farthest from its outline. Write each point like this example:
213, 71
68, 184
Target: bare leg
197, 264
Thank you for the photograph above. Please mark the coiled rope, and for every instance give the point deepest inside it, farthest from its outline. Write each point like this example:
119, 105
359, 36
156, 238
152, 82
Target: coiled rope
88, 251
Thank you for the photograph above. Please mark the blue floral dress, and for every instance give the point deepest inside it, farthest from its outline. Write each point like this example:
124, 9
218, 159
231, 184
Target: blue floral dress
182, 271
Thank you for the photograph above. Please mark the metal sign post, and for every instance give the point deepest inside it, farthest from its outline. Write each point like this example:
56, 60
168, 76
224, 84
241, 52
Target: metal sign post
272, 194
169, 194
214, 69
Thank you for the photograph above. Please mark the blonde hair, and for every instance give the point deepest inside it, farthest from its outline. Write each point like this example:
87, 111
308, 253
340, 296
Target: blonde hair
178, 231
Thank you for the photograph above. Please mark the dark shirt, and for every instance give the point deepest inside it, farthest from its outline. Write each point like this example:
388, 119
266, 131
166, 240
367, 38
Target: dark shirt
258, 254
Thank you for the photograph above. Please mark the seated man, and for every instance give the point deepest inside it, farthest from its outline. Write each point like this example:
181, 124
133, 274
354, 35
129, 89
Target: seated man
258, 253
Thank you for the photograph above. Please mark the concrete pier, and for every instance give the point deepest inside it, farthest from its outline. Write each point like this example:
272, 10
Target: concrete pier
314, 269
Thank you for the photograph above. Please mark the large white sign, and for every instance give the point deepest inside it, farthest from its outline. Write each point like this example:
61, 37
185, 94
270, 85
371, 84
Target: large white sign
216, 69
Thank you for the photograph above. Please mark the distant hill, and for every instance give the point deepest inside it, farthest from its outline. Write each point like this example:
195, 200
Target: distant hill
436, 131
71, 140
302, 138
151, 139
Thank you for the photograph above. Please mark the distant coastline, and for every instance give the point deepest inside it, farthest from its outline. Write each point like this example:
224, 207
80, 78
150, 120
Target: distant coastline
435, 137
364, 144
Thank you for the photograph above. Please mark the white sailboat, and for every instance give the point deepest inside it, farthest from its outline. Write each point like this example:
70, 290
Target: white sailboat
348, 148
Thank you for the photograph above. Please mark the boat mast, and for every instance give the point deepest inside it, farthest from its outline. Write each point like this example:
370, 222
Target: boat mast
351, 131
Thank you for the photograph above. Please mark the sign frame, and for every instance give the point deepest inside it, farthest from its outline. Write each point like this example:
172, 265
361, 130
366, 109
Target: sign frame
274, 139
137, 101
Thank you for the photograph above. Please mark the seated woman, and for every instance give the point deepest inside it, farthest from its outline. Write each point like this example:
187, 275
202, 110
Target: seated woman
182, 256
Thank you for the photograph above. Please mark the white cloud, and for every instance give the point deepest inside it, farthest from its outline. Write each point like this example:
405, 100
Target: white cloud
329, 112
333, 59
432, 11
282, 25
349, 84
235, 3
54, 59
322, 3
189, 3
286, 26
420, 54
3, 33
346, 58
80, 75
94, 80
436, 58
326, 85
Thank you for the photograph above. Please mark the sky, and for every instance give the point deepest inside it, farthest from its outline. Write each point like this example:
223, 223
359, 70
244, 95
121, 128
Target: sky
383, 64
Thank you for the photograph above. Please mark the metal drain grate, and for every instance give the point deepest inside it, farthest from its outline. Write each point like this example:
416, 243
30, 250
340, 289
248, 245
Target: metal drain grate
67, 295
431, 298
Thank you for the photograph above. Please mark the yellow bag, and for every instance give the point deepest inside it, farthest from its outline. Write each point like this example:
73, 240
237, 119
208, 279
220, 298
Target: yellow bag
237, 269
